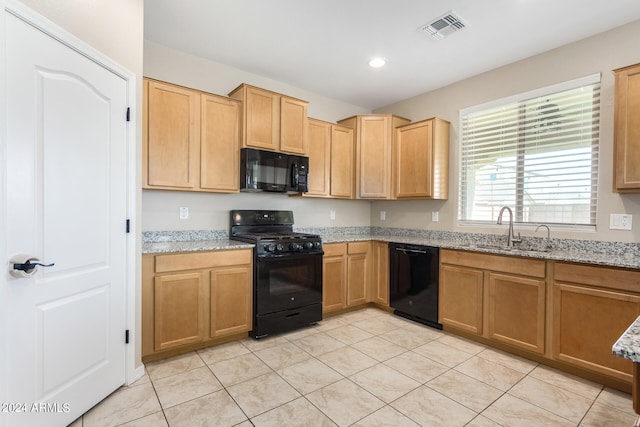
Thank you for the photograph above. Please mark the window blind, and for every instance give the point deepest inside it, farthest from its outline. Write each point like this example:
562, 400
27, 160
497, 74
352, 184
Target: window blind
536, 153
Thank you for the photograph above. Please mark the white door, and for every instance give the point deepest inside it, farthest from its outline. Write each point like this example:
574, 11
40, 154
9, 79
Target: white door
66, 203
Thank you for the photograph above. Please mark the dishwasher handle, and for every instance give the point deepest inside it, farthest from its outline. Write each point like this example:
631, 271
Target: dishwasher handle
411, 251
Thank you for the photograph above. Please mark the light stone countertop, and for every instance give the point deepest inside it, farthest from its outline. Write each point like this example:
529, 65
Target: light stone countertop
193, 246
628, 345
613, 254
625, 260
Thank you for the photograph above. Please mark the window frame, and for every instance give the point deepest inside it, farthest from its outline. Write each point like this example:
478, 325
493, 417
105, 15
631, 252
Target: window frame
522, 98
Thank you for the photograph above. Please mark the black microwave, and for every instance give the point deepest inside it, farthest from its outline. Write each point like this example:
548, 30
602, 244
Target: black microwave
262, 170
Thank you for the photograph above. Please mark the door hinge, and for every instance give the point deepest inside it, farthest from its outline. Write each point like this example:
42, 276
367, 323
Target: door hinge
128, 114
128, 226
126, 336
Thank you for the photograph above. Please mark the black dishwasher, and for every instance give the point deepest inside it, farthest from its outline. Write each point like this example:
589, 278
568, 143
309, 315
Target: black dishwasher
413, 282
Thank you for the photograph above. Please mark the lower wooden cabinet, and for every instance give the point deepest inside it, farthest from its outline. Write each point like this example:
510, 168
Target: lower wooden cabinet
230, 301
346, 275
380, 277
516, 311
498, 297
461, 297
180, 305
190, 300
593, 306
358, 272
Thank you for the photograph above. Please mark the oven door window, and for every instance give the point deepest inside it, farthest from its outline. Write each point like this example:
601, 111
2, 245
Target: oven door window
285, 282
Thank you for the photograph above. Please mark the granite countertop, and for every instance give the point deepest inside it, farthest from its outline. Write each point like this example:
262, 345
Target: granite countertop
586, 255
193, 246
628, 345
614, 254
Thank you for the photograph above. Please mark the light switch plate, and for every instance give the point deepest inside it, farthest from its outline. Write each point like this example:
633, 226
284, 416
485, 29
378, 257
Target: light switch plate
435, 217
383, 215
620, 221
332, 214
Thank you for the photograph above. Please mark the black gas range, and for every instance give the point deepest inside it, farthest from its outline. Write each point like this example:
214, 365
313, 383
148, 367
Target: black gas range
287, 279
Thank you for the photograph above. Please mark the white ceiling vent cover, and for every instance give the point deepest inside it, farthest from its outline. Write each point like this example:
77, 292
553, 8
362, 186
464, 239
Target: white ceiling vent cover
443, 26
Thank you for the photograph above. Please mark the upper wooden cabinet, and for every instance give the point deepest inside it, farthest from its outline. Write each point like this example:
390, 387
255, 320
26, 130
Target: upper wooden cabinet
342, 162
375, 153
272, 121
190, 139
219, 144
319, 134
171, 136
422, 160
331, 151
626, 134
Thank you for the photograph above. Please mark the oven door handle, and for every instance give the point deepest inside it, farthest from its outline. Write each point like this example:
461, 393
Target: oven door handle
289, 255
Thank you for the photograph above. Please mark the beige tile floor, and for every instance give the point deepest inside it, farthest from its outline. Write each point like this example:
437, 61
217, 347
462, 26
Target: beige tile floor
365, 368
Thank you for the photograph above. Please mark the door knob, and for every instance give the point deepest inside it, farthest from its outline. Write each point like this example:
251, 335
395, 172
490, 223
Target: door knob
25, 265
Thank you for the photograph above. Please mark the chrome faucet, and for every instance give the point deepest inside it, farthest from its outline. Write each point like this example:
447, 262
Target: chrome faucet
548, 244
511, 238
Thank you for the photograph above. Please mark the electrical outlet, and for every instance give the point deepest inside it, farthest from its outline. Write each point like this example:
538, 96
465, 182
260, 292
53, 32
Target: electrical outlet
184, 213
620, 222
383, 215
332, 214
435, 217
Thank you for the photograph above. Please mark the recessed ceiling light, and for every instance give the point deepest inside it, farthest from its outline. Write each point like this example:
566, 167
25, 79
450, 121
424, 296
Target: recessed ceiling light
377, 62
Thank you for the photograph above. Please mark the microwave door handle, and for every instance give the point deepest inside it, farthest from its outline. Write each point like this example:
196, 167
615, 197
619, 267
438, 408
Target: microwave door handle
294, 175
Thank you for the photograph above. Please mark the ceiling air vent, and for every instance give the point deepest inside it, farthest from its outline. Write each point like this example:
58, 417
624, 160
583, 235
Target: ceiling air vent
443, 26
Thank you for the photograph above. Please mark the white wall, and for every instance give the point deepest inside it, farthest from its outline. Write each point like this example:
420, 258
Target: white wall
160, 209
599, 54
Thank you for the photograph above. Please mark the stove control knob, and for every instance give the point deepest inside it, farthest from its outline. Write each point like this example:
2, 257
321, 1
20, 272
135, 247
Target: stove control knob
295, 247
279, 247
318, 244
308, 245
269, 247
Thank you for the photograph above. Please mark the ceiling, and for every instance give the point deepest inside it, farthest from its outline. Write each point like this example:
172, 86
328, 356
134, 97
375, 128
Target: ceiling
325, 46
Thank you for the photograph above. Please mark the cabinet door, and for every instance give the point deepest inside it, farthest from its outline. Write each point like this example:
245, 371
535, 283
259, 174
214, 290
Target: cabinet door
180, 309
293, 126
414, 173
319, 135
220, 144
373, 167
517, 311
587, 322
342, 162
357, 279
334, 277
627, 130
262, 115
380, 279
460, 298
171, 136
231, 301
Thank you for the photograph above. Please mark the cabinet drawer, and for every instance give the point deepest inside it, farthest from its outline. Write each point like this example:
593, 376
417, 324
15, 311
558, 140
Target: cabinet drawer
196, 260
335, 249
603, 277
358, 248
506, 264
